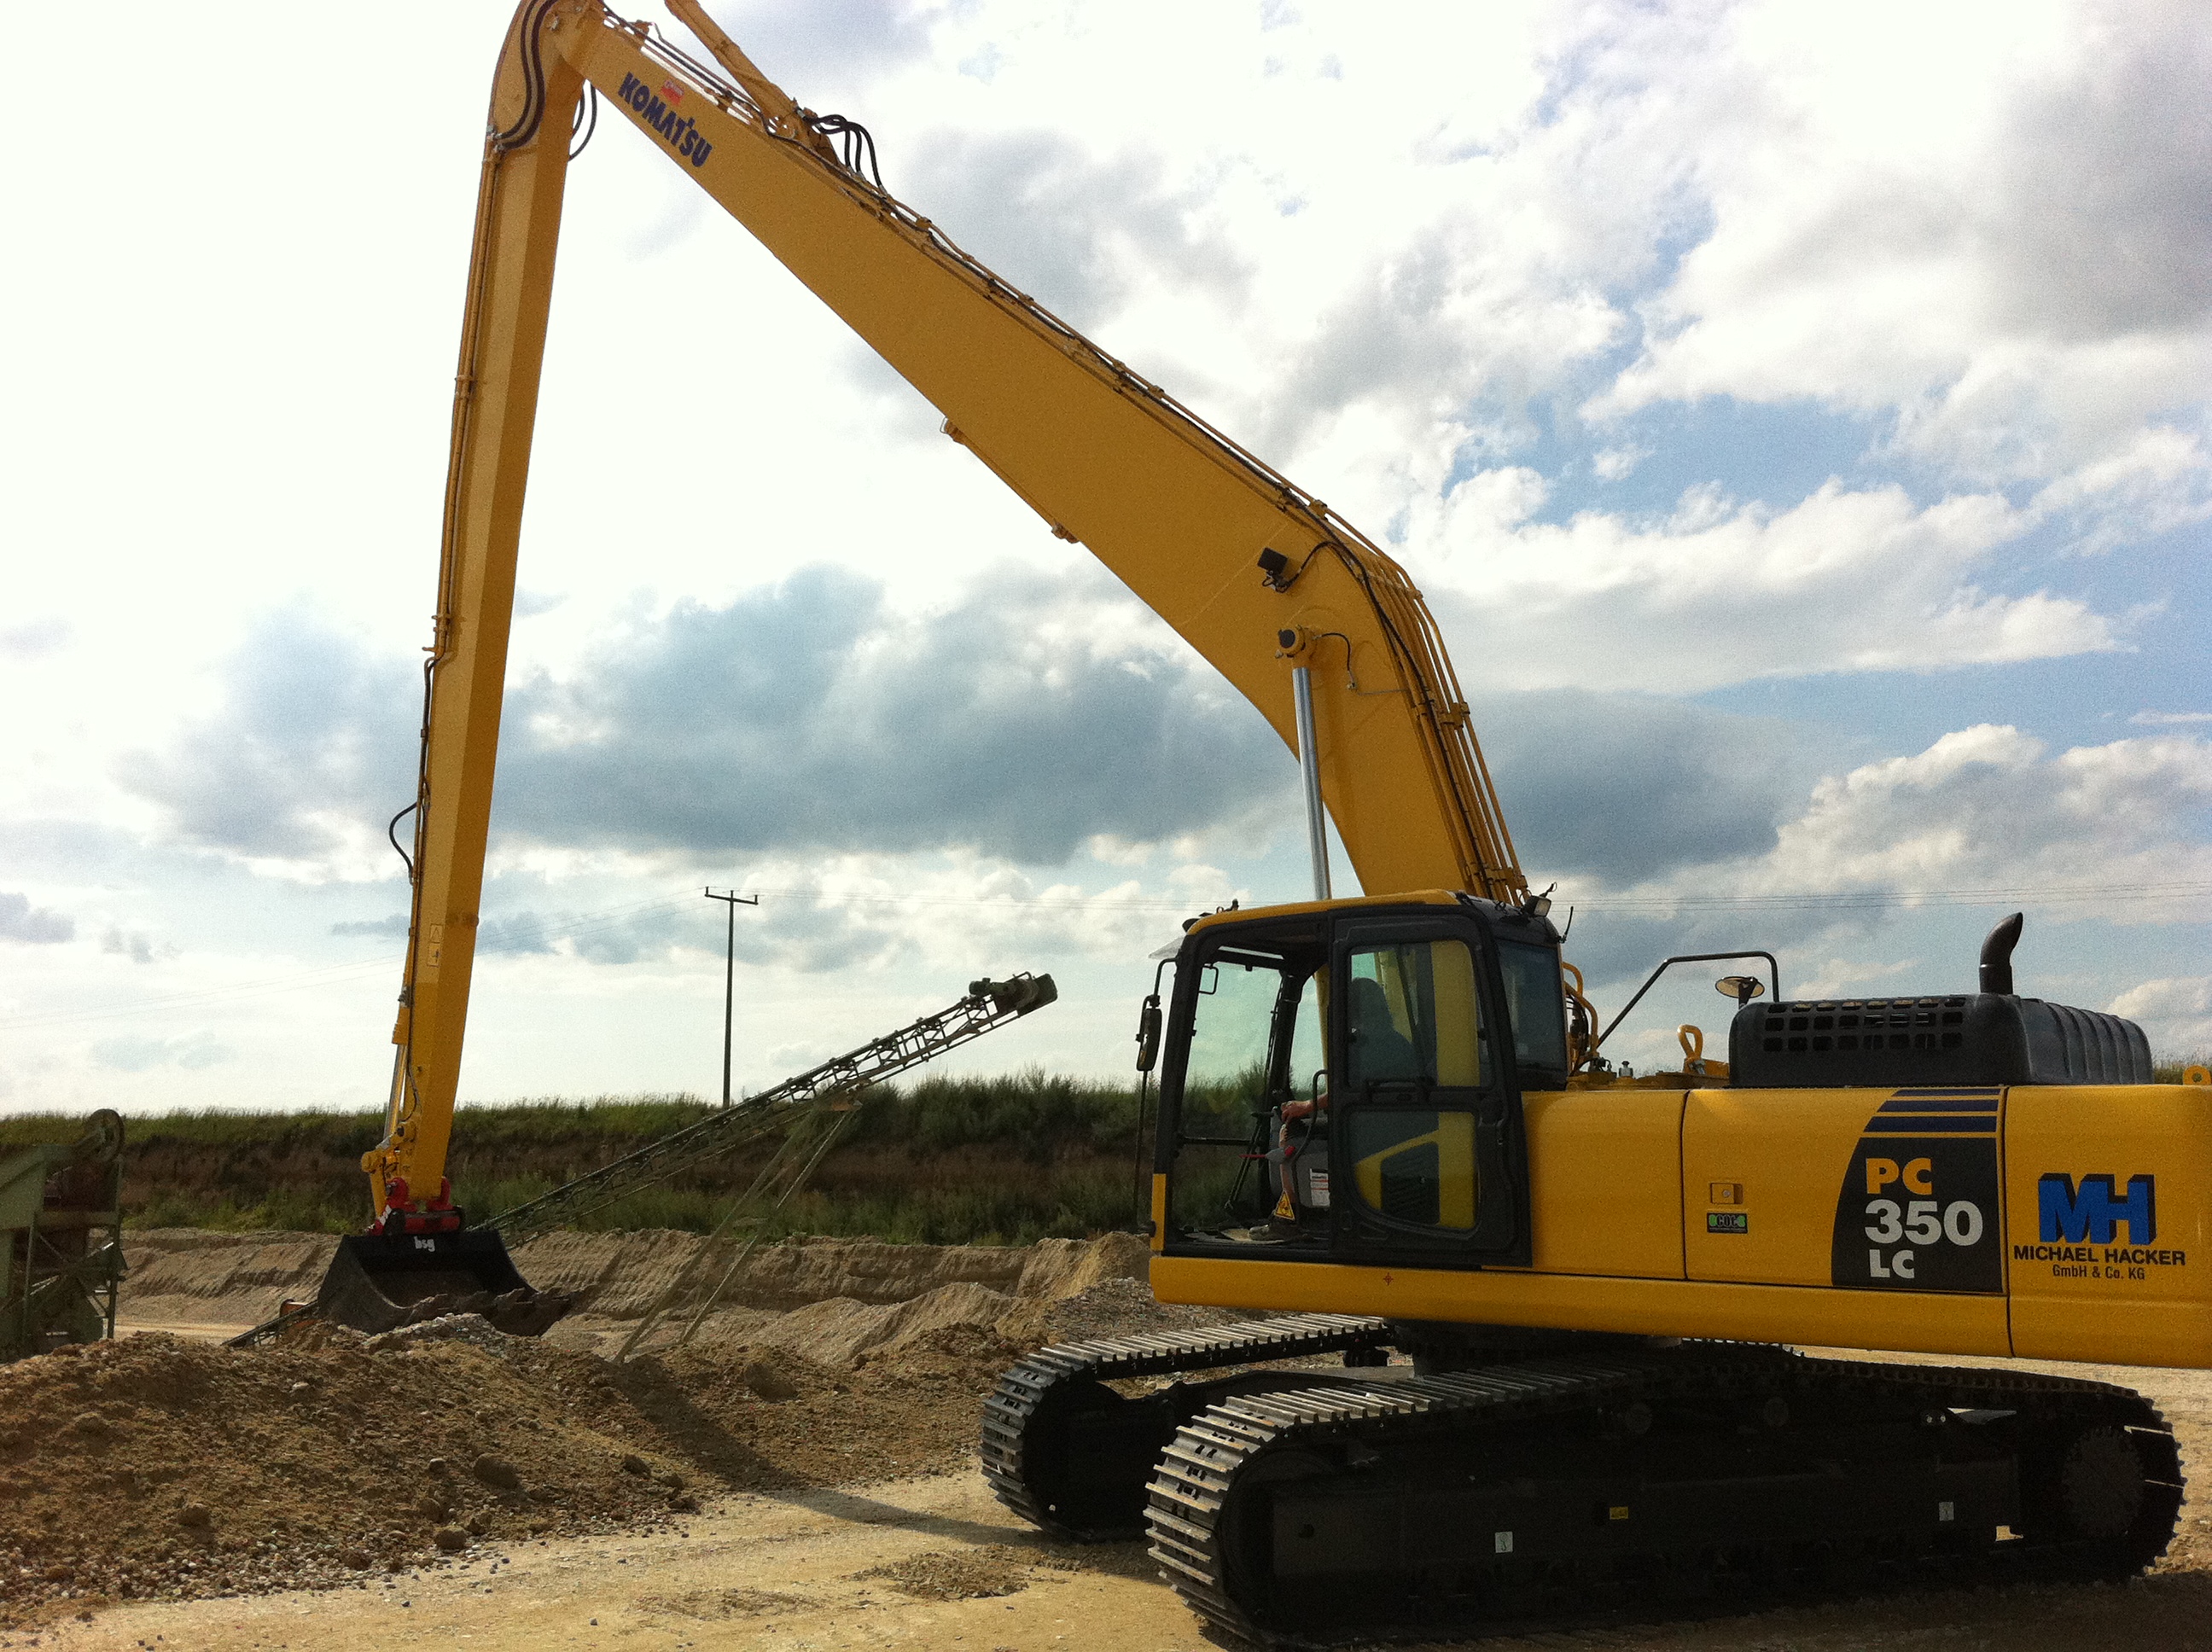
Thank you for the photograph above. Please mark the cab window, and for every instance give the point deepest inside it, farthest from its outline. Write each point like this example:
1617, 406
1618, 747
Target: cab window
1415, 1062
1256, 1044
1410, 1017
1536, 1005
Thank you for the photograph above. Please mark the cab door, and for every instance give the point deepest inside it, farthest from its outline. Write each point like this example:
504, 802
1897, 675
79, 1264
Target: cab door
1429, 1153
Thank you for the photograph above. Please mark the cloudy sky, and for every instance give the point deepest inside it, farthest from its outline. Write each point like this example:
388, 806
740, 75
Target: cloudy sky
1797, 418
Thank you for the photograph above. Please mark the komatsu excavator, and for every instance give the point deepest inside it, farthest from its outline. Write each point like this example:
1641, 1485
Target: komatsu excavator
1384, 1121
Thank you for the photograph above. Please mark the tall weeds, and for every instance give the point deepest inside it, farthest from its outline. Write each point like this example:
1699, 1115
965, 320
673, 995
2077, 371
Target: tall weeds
1003, 1160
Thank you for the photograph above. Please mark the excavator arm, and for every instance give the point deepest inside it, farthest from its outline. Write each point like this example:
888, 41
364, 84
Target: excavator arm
1255, 573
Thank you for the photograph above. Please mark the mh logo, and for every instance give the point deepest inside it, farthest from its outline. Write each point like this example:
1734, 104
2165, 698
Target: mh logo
2093, 1212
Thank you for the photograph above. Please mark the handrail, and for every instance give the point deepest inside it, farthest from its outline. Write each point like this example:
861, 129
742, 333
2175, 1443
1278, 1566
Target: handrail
1774, 968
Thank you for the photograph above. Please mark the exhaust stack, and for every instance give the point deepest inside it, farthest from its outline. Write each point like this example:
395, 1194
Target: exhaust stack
1997, 955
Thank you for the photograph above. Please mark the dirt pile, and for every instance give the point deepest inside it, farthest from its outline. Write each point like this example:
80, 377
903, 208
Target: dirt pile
977, 1573
1115, 1306
160, 1466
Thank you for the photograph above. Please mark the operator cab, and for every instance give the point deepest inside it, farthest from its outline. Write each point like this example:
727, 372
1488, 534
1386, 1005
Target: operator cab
1346, 1080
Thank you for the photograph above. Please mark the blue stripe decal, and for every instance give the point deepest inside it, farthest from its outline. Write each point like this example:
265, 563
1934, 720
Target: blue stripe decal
1952, 1126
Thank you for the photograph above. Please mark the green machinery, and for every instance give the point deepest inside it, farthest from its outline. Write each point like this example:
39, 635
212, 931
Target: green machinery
61, 1241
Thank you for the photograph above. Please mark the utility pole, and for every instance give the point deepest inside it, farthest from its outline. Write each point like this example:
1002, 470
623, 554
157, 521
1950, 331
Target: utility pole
732, 899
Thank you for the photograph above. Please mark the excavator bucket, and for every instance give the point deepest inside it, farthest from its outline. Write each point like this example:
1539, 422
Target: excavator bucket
380, 1282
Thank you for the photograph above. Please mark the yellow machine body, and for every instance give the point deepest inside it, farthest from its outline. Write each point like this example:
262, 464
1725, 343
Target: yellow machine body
1715, 1214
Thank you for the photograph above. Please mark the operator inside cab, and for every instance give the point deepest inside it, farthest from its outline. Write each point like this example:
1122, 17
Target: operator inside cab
1411, 1025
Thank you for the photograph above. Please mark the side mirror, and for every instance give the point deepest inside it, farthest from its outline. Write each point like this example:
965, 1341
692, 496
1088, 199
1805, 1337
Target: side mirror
1148, 1033
1741, 988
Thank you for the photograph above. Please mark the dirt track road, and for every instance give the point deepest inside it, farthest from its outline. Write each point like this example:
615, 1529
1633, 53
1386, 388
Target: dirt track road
754, 1571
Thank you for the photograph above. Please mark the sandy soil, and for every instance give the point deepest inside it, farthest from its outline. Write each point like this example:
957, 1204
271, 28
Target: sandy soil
826, 1437
935, 1561
931, 1562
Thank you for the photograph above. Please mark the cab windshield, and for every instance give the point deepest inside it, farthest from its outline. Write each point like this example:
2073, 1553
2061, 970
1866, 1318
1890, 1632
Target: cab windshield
1256, 1044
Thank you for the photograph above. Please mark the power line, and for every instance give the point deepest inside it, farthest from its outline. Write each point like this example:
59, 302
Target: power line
582, 928
2030, 894
628, 915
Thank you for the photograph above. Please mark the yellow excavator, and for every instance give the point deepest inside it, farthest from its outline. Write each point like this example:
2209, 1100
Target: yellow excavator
1387, 1120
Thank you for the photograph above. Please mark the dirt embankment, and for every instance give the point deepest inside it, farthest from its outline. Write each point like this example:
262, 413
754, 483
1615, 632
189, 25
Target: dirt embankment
161, 1466
188, 1277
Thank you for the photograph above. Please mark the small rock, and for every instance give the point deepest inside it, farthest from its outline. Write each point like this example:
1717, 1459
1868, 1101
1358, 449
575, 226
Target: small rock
301, 1387
478, 1525
432, 1508
195, 1516
356, 1558
439, 1465
634, 1464
497, 1473
451, 1539
543, 1494
671, 1479
684, 1504
767, 1382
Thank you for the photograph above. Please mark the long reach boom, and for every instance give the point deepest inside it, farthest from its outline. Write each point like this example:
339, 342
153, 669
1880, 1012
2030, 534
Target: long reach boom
1254, 573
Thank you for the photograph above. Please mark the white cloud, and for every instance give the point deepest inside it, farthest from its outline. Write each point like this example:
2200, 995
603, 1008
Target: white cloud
1991, 233
190, 1051
1839, 977
2176, 1011
33, 925
1989, 808
1722, 592
35, 639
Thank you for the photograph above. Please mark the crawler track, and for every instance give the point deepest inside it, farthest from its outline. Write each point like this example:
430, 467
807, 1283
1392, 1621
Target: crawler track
1299, 1507
1067, 1453
1707, 1478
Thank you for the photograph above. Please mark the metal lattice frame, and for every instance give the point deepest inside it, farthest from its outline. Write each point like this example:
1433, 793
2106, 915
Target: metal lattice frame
988, 1006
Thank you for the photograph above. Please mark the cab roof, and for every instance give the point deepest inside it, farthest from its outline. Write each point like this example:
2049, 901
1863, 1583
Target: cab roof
1422, 897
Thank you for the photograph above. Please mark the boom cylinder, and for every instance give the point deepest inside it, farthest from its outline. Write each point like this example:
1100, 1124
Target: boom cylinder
1309, 773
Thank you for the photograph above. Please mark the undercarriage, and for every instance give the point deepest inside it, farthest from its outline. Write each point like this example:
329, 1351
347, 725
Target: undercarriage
1594, 1480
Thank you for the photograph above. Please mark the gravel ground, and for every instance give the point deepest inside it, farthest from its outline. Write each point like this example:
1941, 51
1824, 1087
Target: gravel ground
158, 1487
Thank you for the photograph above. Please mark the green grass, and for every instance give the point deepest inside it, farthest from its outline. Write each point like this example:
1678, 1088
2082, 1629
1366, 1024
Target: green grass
1003, 1160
